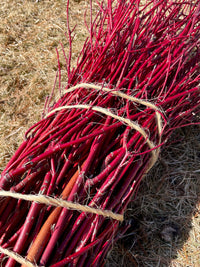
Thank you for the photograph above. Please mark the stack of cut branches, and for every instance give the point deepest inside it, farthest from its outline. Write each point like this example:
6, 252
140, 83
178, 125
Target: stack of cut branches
136, 80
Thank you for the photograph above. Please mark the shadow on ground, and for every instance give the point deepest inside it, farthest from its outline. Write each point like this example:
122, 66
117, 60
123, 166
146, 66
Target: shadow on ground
165, 210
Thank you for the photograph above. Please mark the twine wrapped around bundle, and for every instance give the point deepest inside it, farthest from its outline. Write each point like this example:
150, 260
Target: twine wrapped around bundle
62, 203
81, 164
155, 149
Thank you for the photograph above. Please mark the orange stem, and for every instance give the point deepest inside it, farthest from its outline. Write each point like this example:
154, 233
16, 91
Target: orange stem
43, 236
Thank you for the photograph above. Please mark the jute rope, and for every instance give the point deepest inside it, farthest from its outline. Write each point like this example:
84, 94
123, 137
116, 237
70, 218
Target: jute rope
132, 124
57, 203
62, 203
113, 92
17, 257
105, 111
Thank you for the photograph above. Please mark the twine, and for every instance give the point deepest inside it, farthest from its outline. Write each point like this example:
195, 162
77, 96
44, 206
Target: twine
105, 111
132, 124
17, 257
57, 203
62, 203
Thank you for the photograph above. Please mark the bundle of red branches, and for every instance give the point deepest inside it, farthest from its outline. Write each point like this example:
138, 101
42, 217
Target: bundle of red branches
136, 80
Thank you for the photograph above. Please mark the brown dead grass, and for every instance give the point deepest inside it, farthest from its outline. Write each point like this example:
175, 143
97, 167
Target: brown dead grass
29, 33
166, 213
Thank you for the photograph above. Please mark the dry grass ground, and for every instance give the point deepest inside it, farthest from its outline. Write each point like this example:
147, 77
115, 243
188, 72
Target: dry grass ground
165, 213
